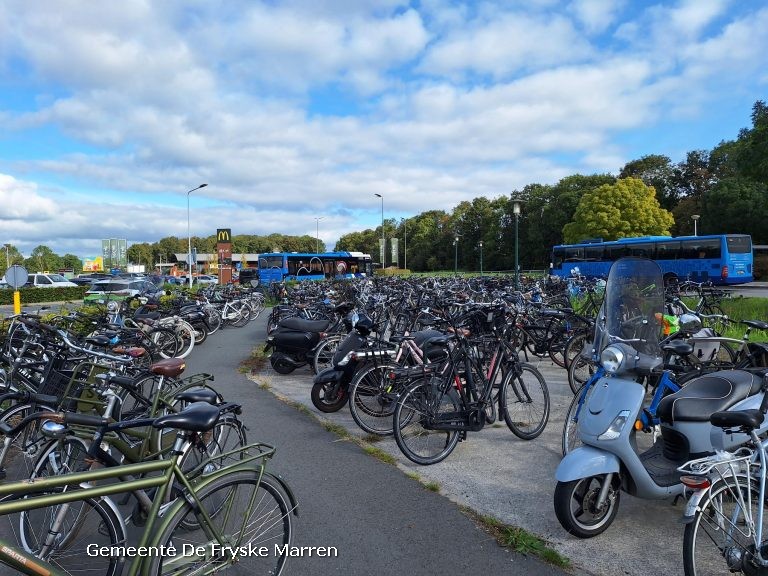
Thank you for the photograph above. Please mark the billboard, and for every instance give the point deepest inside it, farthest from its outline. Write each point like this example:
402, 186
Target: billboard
93, 264
114, 252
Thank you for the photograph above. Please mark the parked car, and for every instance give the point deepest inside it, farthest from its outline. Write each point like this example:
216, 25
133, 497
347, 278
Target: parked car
205, 279
88, 279
49, 281
120, 288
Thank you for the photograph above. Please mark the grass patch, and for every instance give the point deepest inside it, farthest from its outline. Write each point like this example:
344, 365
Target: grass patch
372, 438
337, 429
379, 454
497, 425
299, 406
518, 539
746, 309
265, 385
432, 486
255, 362
413, 476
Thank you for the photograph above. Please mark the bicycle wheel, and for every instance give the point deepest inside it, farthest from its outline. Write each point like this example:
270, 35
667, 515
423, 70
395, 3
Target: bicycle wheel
525, 401
211, 447
720, 538
24, 447
213, 316
62, 535
717, 324
574, 347
166, 341
186, 334
571, 439
580, 370
371, 402
419, 409
324, 353
244, 512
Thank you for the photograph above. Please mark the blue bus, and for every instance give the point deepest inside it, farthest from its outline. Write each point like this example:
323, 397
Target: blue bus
716, 258
279, 266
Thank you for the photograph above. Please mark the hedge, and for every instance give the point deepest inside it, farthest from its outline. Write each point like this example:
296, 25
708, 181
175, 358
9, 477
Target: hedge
38, 295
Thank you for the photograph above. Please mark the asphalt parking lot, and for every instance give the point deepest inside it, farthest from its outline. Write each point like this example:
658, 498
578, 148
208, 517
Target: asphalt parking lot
497, 474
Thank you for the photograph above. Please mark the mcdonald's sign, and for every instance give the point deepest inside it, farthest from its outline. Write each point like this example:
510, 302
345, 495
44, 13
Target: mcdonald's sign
224, 235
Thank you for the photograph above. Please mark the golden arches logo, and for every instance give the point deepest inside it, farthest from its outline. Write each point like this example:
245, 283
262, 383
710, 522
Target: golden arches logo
224, 235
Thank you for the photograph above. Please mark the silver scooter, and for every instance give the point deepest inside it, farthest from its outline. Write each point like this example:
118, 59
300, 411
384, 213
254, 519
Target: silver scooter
591, 478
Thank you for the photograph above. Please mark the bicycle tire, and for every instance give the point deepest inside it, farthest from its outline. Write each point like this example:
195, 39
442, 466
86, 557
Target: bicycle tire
166, 341
93, 522
422, 403
213, 316
571, 439
273, 517
719, 527
580, 370
526, 410
371, 404
324, 352
25, 445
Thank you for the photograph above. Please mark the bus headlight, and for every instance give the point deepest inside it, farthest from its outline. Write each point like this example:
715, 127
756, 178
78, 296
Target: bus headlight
612, 359
614, 430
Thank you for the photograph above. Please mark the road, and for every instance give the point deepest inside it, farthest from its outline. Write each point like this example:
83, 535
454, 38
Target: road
381, 521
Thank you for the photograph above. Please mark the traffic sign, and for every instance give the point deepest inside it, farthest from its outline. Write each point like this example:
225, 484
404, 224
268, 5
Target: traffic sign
16, 276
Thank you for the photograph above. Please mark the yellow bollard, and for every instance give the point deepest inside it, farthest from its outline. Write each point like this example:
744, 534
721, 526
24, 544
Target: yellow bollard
16, 302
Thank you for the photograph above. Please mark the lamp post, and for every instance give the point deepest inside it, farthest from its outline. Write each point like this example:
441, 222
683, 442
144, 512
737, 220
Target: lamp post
516, 212
383, 244
456, 255
480, 244
695, 219
189, 237
317, 233
405, 250
7, 256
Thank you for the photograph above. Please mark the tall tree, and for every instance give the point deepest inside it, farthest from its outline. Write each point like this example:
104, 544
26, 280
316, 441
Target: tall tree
753, 145
655, 170
625, 209
737, 205
42, 259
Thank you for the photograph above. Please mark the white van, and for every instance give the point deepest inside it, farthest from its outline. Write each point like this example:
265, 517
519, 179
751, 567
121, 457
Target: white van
49, 281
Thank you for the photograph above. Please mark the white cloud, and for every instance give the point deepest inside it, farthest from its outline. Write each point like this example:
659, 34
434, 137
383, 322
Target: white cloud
596, 15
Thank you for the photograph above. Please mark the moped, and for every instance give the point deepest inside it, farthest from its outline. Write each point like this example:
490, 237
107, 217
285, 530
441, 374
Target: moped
590, 479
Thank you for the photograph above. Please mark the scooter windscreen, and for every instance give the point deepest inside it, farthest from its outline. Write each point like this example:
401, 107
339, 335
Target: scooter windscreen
633, 307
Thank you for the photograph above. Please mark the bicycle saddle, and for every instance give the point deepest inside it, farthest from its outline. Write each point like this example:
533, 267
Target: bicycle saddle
198, 395
171, 367
197, 417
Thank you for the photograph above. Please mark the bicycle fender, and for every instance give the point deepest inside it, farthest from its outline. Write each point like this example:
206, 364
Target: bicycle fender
692, 506
288, 491
584, 462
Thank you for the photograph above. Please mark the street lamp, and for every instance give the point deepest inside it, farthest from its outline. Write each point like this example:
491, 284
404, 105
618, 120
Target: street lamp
480, 244
405, 250
189, 237
695, 219
383, 244
317, 233
516, 212
7, 256
456, 255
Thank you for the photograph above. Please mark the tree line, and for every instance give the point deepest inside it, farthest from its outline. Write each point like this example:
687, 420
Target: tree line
727, 187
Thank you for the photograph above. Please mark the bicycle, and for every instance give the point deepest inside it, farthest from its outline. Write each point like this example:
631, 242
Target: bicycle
725, 517
222, 511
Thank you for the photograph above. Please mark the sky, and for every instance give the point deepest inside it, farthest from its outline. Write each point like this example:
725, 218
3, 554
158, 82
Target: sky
294, 110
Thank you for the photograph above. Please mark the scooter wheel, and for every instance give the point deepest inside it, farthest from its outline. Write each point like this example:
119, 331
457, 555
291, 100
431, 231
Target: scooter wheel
575, 506
328, 398
279, 365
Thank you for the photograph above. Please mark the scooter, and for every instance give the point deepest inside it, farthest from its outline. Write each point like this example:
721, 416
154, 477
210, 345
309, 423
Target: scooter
295, 340
590, 479
330, 388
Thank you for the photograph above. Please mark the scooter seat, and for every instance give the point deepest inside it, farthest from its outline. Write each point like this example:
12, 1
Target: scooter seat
704, 396
302, 325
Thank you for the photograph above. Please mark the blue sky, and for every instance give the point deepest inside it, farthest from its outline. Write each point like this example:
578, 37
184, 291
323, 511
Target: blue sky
296, 109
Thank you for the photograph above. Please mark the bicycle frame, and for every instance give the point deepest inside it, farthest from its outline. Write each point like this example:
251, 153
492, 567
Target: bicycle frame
255, 457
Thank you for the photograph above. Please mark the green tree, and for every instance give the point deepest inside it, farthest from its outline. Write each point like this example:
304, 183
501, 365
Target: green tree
625, 209
73, 262
42, 259
752, 156
658, 171
143, 254
736, 205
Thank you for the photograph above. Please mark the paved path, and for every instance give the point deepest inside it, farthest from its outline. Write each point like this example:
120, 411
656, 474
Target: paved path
382, 522
497, 474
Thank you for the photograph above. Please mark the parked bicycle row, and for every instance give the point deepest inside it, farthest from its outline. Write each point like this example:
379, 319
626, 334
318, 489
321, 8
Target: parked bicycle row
428, 368
127, 453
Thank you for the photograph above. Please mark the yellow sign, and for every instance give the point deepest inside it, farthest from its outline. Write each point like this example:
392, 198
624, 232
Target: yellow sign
224, 235
93, 264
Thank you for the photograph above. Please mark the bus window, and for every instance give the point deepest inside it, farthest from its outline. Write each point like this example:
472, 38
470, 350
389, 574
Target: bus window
267, 262
574, 254
701, 249
593, 253
667, 250
558, 254
616, 251
738, 244
644, 250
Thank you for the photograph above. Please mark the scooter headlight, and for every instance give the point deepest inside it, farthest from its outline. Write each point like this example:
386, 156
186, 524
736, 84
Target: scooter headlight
612, 359
614, 430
